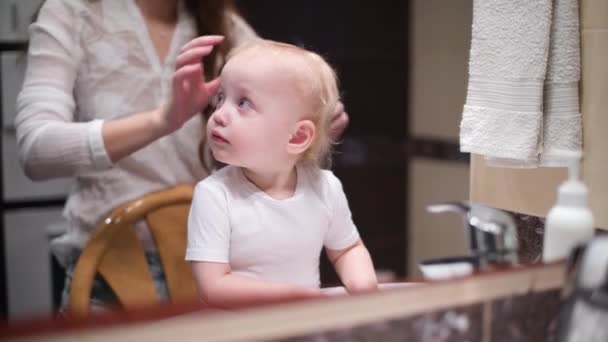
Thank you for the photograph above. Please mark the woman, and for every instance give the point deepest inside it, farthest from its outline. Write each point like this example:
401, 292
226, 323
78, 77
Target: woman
112, 96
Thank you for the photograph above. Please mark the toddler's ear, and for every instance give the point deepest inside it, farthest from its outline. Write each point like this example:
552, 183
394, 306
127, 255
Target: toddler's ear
302, 138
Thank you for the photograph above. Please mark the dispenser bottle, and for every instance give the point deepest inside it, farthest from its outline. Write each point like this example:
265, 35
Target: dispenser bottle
570, 222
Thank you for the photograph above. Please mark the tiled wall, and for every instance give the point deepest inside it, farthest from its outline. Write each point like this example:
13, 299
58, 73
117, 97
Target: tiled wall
439, 41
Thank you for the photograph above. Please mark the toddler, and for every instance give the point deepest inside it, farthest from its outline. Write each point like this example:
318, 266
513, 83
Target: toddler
257, 226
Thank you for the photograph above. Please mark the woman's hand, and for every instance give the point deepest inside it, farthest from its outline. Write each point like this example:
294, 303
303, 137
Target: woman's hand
190, 93
339, 121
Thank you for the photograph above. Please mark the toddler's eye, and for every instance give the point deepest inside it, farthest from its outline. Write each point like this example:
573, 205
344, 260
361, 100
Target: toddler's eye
219, 99
244, 103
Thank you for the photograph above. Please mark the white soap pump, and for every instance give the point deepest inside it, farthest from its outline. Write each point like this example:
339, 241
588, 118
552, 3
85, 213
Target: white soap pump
570, 222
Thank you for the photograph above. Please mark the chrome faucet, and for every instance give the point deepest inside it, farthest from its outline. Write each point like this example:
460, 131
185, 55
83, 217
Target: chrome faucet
492, 232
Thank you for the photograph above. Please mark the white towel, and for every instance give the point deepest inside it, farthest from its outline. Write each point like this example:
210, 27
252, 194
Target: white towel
524, 68
563, 121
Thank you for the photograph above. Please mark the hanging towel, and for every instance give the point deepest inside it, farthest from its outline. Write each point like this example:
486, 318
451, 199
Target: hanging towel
562, 118
522, 97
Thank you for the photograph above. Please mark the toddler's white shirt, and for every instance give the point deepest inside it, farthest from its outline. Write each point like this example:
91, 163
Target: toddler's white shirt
232, 221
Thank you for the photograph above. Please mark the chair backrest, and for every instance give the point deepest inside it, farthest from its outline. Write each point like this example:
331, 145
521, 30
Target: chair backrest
118, 255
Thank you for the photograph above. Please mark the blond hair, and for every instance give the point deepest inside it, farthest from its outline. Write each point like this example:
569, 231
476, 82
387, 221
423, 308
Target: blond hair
321, 88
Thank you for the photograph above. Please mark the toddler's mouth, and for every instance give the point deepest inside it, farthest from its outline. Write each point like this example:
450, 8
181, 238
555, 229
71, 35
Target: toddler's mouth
218, 138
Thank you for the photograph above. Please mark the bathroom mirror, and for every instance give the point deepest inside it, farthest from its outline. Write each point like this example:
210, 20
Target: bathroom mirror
403, 74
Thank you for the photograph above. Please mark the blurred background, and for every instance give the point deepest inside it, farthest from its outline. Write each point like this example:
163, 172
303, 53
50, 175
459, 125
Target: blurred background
402, 67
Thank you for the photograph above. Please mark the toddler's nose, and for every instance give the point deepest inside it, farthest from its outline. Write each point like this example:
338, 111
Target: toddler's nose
220, 117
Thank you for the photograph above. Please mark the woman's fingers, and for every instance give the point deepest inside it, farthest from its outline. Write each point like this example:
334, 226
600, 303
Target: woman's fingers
195, 78
202, 41
338, 126
185, 71
186, 74
189, 85
338, 122
211, 87
339, 110
191, 56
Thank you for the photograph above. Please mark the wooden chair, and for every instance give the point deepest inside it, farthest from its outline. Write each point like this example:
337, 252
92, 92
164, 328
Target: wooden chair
118, 255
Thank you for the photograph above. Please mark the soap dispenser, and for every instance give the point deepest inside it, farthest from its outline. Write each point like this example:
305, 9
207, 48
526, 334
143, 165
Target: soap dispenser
570, 222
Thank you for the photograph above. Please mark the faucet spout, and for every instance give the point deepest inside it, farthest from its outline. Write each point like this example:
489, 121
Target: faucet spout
459, 207
492, 232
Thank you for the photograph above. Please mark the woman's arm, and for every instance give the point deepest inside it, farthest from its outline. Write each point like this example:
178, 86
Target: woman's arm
51, 142
355, 268
220, 288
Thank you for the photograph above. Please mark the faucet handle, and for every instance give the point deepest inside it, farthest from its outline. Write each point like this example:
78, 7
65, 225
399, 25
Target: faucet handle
493, 232
457, 207
481, 217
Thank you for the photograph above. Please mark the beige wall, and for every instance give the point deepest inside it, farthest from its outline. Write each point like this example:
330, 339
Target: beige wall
439, 44
594, 44
527, 191
435, 235
439, 38
533, 191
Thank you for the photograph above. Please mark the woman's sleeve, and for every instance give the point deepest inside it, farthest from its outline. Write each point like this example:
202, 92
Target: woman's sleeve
51, 143
208, 224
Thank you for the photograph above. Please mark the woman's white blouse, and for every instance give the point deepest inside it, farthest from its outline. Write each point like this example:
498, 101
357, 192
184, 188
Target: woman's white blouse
91, 61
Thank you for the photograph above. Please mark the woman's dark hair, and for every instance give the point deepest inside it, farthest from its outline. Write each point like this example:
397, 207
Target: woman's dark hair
211, 19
